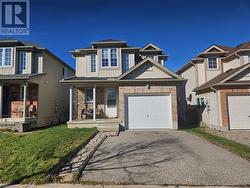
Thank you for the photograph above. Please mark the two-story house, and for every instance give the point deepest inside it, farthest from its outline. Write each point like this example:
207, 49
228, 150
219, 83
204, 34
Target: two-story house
30, 92
120, 85
218, 84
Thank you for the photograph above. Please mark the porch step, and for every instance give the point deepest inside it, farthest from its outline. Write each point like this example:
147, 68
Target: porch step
107, 125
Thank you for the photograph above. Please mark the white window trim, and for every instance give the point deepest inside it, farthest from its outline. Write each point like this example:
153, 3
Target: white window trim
3, 58
124, 63
26, 61
217, 63
109, 58
89, 88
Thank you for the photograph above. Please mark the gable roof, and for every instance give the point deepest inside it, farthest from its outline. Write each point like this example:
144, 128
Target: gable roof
222, 78
226, 51
151, 47
158, 65
109, 41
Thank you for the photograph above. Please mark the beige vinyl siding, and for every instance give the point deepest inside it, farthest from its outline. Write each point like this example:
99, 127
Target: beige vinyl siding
231, 64
147, 71
81, 68
53, 96
201, 73
191, 76
211, 117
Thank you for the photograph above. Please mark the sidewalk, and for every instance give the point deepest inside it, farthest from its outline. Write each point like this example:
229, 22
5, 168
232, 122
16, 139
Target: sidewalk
108, 186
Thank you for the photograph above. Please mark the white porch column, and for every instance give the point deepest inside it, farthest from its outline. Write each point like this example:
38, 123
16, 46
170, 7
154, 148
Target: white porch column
24, 100
94, 102
1, 100
70, 103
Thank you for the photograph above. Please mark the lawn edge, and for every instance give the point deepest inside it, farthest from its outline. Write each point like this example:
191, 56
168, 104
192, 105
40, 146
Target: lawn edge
226, 147
53, 172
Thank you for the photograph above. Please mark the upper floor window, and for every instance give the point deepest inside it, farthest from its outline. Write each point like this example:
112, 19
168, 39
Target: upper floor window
65, 73
212, 63
113, 57
22, 61
125, 62
5, 57
248, 58
93, 63
109, 57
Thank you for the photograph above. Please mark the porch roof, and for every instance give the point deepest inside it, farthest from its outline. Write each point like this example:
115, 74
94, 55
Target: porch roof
19, 76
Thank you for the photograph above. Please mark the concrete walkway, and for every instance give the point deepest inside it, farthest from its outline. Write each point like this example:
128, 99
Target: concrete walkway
106, 186
165, 158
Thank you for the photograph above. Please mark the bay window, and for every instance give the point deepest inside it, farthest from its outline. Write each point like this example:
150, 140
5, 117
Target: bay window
109, 57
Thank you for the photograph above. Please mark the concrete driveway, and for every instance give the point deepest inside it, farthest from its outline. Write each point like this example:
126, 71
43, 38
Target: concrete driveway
165, 157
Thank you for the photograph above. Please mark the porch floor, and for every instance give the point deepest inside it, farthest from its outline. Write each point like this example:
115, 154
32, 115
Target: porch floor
105, 125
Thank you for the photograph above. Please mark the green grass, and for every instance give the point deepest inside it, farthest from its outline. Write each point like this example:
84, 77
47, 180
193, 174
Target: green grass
235, 147
28, 158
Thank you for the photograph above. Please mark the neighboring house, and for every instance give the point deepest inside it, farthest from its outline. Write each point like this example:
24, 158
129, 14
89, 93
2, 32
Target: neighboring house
116, 84
219, 85
30, 92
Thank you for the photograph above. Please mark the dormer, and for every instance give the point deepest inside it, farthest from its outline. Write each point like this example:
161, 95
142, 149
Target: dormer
153, 52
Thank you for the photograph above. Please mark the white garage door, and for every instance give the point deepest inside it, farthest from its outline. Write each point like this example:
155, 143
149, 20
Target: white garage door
149, 112
239, 112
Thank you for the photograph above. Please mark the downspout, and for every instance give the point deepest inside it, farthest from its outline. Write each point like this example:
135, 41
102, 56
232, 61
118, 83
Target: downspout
218, 107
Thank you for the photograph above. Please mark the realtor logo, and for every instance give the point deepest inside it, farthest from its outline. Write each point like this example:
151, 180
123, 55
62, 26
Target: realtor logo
14, 17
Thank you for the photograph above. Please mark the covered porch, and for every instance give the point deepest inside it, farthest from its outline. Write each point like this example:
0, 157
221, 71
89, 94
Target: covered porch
94, 105
18, 104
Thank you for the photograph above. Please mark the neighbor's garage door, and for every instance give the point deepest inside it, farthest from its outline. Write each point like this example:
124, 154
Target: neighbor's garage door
149, 112
239, 112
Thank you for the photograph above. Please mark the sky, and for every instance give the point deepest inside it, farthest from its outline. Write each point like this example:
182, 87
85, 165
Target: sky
182, 28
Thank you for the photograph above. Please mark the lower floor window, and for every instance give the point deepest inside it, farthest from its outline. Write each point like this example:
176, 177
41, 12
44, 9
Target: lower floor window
111, 98
89, 95
201, 103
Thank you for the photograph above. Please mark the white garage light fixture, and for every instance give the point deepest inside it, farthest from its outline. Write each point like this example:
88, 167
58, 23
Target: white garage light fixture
148, 86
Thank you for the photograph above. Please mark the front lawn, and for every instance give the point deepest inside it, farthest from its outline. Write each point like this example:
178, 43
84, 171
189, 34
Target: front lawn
29, 157
235, 147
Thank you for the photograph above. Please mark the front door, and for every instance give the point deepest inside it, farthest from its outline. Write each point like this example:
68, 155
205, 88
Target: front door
111, 102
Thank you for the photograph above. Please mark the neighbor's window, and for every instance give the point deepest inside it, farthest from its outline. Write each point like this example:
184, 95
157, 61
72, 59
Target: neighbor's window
22, 61
65, 73
7, 56
125, 62
111, 98
212, 63
201, 103
105, 57
89, 95
109, 57
249, 58
93, 63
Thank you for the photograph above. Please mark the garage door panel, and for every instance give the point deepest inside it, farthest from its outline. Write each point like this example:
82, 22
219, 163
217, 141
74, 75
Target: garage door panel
239, 112
149, 112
